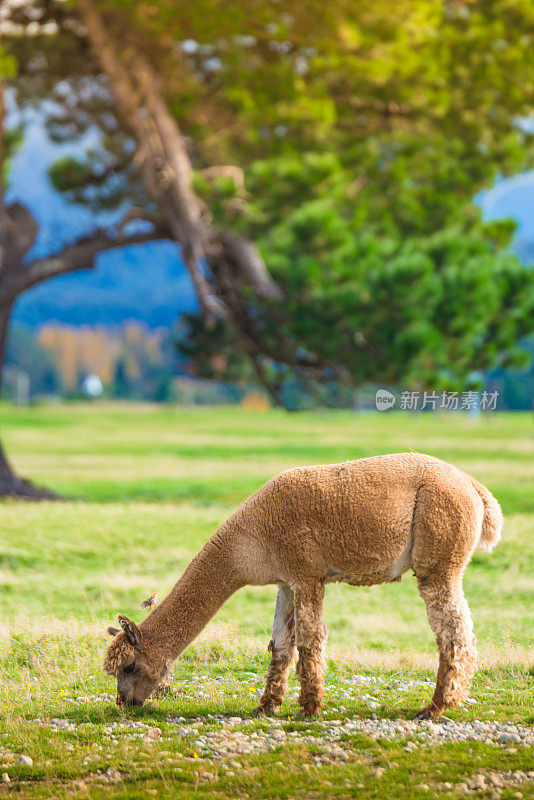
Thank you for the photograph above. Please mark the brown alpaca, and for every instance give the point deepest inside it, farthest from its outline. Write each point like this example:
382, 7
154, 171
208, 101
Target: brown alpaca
362, 522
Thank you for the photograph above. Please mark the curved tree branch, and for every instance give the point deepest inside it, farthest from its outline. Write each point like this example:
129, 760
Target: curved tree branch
165, 165
80, 255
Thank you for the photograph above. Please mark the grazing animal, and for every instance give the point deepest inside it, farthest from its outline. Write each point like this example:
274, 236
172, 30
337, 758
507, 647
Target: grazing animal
362, 522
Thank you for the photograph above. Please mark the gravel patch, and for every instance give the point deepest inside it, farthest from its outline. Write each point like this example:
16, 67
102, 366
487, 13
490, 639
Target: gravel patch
216, 736
221, 738
492, 782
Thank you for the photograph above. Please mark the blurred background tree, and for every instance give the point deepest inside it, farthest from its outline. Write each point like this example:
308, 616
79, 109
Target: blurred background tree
346, 140
41, 53
364, 131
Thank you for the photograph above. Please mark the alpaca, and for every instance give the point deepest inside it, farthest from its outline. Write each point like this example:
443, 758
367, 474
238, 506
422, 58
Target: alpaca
363, 522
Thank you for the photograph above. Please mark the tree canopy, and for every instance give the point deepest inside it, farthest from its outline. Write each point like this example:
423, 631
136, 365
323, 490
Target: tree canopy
359, 134
364, 131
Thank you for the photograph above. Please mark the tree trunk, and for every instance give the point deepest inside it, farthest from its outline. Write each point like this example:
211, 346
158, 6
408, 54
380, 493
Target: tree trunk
234, 263
10, 484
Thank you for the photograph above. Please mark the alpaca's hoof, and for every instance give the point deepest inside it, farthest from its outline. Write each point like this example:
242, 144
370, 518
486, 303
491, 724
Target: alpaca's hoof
269, 709
429, 712
310, 710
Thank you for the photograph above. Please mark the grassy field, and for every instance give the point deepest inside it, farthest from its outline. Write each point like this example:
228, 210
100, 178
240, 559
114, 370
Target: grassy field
144, 489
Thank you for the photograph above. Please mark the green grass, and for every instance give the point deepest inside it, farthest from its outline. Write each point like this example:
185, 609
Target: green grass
146, 487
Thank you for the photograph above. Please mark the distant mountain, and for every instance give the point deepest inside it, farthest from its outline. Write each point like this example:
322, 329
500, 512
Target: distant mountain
147, 283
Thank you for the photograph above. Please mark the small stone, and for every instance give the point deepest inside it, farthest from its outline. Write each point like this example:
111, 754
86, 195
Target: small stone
154, 733
113, 775
509, 737
5, 778
26, 761
477, 782
59, 722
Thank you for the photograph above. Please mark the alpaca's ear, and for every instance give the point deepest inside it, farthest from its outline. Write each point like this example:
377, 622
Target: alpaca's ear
113, 631
133, 634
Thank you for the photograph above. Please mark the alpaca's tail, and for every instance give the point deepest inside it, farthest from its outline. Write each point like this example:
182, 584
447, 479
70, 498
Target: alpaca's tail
492, 521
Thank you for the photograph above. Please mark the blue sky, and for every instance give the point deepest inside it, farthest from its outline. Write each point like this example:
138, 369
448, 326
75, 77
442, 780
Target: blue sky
513, 197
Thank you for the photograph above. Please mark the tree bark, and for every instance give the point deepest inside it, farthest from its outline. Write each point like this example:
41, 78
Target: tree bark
80, 255
16, 278
10, 484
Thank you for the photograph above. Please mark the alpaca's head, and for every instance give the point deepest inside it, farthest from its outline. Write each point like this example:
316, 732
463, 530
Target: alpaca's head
138, 666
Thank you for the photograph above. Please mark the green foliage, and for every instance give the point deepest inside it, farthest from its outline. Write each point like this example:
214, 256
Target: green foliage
72, 98
68, 173
8, 65
10, 140
419, 308
424, 311
365, 130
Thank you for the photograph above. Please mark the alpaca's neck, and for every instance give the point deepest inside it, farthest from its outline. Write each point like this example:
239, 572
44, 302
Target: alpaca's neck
206, 584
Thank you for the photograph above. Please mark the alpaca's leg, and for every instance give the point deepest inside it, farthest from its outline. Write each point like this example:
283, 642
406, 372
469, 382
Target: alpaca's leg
450, 619
282, 647
311, 638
